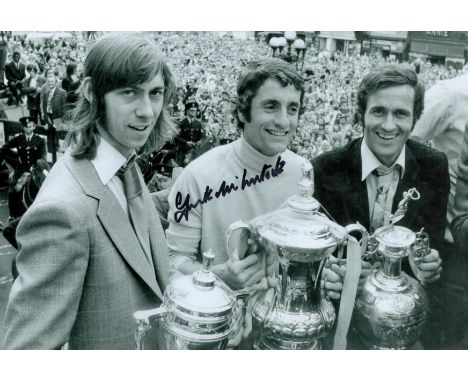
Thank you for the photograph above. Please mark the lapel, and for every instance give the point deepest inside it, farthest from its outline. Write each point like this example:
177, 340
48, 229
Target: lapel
158, 247
114, 220
45, 98
354, 193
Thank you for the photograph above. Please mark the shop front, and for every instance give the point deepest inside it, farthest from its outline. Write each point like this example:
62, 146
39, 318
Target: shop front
387, 44
343, 41
439, 47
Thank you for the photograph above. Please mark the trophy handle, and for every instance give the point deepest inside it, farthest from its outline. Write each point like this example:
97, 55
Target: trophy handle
237, 236
142, 317
350, 228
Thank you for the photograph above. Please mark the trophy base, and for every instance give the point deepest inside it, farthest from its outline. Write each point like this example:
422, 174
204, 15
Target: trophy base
278, 344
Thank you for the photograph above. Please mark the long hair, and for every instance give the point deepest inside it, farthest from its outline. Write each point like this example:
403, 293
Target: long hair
115, 61
70, 70
253, 77
385, 77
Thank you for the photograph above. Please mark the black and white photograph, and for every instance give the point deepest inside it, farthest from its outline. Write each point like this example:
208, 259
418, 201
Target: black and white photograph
234, 191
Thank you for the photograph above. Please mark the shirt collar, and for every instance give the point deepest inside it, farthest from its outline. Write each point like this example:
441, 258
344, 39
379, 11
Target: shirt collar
107, 161
370, 161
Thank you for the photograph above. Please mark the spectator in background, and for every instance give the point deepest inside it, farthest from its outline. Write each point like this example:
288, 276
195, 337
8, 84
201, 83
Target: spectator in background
459, 229
190, 135
71, 83
53, 106
21, 153
443, 123
15, 72
32, 89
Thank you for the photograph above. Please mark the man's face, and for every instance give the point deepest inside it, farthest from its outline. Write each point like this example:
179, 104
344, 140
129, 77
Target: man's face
29, 128
274, 113
16, 58
51, 80
388, 121
131, 114
192, 112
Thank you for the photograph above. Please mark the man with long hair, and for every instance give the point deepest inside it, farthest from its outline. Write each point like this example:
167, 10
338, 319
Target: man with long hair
92, 250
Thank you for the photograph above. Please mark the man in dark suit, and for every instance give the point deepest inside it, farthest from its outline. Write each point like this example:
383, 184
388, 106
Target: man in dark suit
32, 89
22, 153
15, 73
92, 250
53, 101
364, 181
53, 105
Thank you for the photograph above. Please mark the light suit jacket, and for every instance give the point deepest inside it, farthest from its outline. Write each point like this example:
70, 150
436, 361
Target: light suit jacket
82, 271
459, 225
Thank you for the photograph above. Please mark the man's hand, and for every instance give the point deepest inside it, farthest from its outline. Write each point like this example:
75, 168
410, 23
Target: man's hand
429, 268
238, 274
332, 277
366, 270
334, 273
270, 279
242, 329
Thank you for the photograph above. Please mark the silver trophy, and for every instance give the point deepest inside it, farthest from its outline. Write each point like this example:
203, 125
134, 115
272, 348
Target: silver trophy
295, 314
391, 307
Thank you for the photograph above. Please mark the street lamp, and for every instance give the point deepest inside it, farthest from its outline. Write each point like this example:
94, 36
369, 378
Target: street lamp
282, 44
274, 44
289, 40
300, 47
290, 37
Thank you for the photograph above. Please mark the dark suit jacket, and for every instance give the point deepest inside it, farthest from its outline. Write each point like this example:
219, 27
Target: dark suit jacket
82, 271
12, 73
339, 188
33, 93
189, 131
58, 103
28, 153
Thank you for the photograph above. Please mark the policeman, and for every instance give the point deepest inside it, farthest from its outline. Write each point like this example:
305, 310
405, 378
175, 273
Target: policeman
191, 132
22, 153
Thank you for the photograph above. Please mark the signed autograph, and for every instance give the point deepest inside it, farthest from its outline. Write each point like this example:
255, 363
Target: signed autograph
184, 205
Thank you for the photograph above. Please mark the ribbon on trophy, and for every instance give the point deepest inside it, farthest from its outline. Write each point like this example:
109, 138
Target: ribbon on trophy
348, 295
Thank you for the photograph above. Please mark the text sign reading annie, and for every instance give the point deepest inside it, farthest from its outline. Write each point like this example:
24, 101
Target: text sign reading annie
184, 205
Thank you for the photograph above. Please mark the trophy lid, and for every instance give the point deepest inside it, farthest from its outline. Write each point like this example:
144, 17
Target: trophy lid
201, 297
298, 225
394, 238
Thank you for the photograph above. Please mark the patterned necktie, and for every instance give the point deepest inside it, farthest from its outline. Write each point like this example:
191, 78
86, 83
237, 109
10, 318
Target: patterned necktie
136, 204
384, 179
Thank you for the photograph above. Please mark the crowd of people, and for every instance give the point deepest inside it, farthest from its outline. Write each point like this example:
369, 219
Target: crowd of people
206, 66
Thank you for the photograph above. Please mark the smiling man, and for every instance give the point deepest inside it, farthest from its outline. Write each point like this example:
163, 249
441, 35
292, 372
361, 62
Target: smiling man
242, 180
92, 248
364, 181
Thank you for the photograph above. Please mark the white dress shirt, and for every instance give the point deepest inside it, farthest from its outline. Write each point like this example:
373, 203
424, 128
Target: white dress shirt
107, 162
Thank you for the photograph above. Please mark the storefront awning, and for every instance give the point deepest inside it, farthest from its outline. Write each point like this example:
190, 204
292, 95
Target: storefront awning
434, 48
